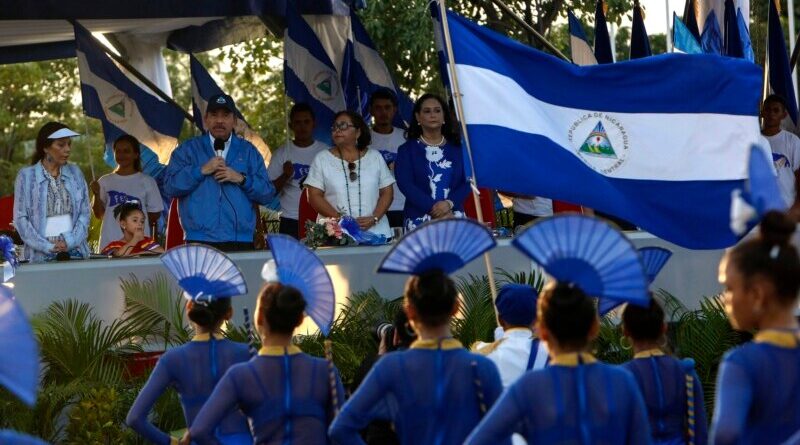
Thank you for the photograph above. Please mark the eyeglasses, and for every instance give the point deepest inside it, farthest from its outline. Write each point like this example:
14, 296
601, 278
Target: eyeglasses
341, 126
352, 167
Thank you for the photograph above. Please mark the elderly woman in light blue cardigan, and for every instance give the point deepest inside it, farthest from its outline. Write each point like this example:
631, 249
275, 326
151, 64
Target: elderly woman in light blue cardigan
51, 203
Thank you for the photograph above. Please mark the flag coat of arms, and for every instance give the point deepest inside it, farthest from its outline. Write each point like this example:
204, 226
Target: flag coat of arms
660, 141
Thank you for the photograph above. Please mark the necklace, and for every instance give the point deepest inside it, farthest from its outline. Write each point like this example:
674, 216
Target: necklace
425, 141
347, 182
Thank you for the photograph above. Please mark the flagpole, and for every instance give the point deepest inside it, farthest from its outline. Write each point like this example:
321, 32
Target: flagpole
530, 29
141, 77
462, 121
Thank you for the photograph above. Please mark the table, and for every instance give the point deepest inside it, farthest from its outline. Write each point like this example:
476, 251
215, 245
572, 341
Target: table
689, 275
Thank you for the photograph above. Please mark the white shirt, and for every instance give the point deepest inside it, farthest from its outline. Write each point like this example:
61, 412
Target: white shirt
537, 206
116, 189
786, 157
512, 353
387, 145
227, 145
331, 175
301, 158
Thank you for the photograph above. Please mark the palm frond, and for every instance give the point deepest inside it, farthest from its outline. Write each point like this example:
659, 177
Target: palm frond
476, 319
75, 345
157, 309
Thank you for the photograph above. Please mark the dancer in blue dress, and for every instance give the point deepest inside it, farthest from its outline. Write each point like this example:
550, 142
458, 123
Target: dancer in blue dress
436, 391
288, 397
758, 385
195, 368
575, 399
671, 388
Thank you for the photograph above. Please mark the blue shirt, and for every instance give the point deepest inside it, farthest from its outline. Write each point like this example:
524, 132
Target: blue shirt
575, 400
209, 210
427, 175
758, 391
193, 370
432, 393
30, 210
662, 380
285, 394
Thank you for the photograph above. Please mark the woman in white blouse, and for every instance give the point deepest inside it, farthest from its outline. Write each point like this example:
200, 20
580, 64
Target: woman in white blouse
350, 179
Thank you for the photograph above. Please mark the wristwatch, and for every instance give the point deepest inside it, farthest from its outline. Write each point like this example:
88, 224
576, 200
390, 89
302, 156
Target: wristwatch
375, 219
244, 178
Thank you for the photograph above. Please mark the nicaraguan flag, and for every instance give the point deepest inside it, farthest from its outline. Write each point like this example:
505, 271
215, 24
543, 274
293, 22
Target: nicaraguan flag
203, 87
711, 39
602, 41
682, 39
582, 53
123, 106
310, 71
780, 74
640, 43
366, 72
615, 137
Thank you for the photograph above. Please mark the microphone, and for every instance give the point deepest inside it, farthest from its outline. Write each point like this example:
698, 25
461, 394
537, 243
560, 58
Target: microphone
219, 146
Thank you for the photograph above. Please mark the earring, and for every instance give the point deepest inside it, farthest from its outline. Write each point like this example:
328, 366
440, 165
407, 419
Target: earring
625, 343
663, 343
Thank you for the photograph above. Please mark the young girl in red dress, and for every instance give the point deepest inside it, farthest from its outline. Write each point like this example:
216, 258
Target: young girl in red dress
131, 220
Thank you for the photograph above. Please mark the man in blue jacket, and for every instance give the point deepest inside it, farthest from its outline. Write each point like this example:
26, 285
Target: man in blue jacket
218, 179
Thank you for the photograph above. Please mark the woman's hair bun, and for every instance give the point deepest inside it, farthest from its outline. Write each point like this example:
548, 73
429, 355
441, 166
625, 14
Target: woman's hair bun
776, 228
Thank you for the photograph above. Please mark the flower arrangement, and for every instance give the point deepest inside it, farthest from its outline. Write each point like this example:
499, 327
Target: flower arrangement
326, 232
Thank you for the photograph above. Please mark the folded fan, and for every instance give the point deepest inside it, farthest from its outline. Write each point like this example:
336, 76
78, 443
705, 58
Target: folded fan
761, 194
204, 273
19, 352
297, 266
589, 253
444, 244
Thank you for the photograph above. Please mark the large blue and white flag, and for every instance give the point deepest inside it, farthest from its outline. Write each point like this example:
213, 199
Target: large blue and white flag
780, 73
203, 87
314, 50
365, 72
123, 106
602, 41
683, 40
615, 137
582, 53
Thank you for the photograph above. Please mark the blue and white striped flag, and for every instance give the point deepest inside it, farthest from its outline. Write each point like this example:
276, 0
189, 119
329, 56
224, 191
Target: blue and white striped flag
615, 137
313, 57
365, 72
203, 87
123, 106
582, 53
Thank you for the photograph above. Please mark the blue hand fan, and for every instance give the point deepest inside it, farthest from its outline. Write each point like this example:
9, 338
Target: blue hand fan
653, 260
589, 253
302, 269
204, 273
17, 438
19, 352
444, 244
